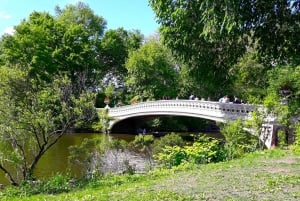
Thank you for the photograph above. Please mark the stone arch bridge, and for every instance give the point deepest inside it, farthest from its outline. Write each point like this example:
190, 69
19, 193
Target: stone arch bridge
219, 112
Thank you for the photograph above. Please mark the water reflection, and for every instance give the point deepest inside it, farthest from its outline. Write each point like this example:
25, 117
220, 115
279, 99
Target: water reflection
56, 159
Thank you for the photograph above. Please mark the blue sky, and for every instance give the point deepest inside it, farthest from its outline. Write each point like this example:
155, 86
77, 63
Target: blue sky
129, 14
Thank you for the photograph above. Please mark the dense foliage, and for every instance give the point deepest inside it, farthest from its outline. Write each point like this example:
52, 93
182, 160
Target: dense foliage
211, 36
151, 72
53, 67
204, 150
245, 48
33, 116
296, 147
72, 42
171, 139
237, 141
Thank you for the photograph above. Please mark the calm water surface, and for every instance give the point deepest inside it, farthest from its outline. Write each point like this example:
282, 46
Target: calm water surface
56, 159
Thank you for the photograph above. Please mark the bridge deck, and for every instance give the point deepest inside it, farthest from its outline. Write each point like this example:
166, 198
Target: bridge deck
194, 108
222, 112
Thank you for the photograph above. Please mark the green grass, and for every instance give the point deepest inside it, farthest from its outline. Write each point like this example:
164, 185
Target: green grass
271, 175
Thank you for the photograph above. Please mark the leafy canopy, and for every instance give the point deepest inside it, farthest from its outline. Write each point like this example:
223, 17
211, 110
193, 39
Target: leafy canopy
33, 117
151, 72
210, 36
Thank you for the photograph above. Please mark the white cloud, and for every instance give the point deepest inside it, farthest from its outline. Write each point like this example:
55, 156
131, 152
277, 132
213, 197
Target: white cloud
4, 15
9, 30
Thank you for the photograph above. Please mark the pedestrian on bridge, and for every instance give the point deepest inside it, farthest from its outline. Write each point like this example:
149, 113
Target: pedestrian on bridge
224, 99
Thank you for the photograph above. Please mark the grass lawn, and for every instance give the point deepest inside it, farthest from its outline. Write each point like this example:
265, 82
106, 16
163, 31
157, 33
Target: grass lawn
272, 175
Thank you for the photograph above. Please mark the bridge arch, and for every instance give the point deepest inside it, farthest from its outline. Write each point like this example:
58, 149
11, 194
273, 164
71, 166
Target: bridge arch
220, 112
215, 111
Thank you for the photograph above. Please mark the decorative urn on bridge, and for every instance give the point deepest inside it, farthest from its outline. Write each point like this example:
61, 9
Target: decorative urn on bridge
106, 101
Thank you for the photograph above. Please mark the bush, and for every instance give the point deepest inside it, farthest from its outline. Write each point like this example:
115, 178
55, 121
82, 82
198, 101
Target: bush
171, 156
143, 143
282, 139
203, 150
56, 184
171, 139
238, 142
296, 147
101, 155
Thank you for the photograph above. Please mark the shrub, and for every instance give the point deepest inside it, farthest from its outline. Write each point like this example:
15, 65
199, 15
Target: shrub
144, 144
296, 147
171, 156
171, 139
99, 156
203, 150
238, 142
282, 139
56, 184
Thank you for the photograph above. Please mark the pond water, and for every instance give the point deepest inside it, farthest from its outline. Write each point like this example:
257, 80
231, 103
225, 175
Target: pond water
56, 159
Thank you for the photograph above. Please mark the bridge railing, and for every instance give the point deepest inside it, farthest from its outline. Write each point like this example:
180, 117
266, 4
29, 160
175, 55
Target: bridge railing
221, 112
230, 109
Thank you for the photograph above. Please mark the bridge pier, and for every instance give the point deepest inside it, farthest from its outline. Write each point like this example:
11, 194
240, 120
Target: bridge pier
269, 135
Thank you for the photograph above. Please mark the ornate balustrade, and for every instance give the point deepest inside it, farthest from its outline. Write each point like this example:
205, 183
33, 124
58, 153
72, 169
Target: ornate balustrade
222, 112
203, 109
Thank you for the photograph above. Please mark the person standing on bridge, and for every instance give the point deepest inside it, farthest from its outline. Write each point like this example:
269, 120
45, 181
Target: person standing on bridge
224, 99
192, 97
236, 100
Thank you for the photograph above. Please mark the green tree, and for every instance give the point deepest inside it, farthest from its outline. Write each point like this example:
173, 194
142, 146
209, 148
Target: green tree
67, 43
187, 83
80, 31
73, 42
32, 45
33, 117
116, 45
151, 72
211, 36
250, 82
182, 29
283, 97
